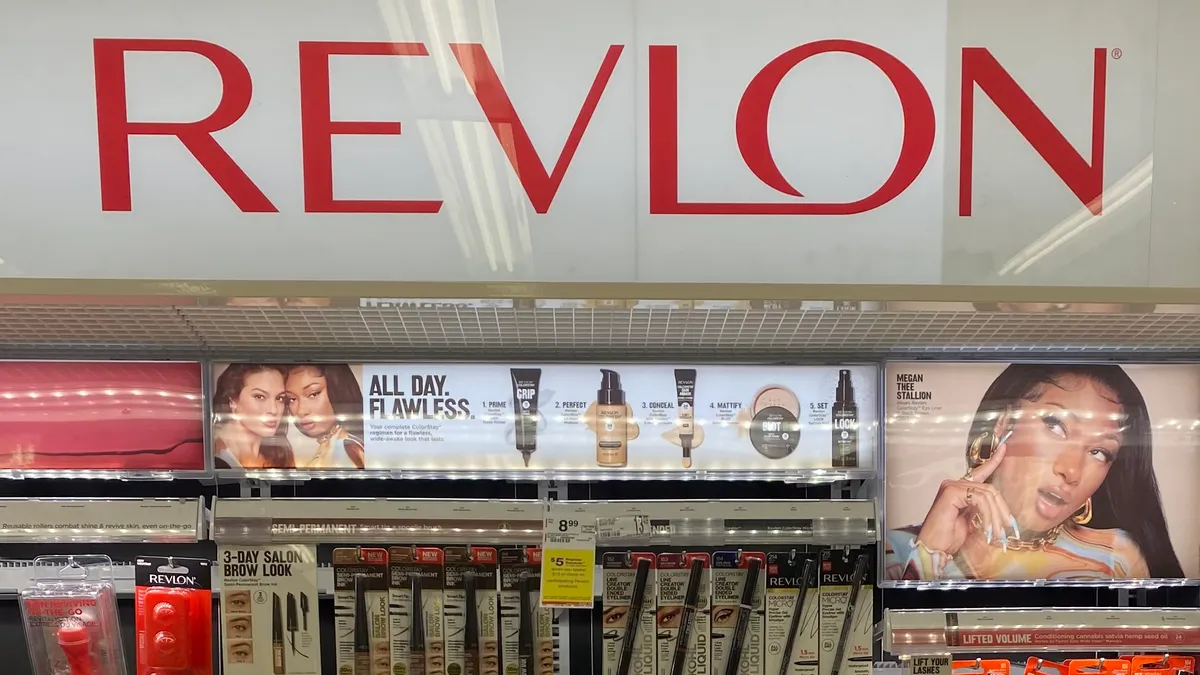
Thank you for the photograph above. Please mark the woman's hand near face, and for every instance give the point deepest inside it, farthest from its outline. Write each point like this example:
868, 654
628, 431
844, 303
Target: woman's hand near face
948, 524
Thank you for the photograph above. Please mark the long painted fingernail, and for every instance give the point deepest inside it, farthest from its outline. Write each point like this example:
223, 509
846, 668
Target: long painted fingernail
1004, 543
1004, 438
988, 534
1016, 530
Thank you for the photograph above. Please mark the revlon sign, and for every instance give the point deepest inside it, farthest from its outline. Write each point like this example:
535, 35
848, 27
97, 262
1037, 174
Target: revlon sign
855, 142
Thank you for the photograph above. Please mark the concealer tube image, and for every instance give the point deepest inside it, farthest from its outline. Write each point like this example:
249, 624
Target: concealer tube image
612, 436
525, 383
685, 414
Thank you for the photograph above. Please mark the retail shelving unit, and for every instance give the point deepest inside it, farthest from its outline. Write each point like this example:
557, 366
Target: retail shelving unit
171, 513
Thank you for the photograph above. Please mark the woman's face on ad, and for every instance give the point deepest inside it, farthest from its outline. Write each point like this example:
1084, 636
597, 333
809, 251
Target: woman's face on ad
261, 403
311, 406
1060, 451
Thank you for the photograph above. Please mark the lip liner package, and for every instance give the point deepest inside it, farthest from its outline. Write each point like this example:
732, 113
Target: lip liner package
628, 624
471, 610
737, 630
846, 644
263, 591
684, 585
415, 579
526, 630
793, 638
360, 610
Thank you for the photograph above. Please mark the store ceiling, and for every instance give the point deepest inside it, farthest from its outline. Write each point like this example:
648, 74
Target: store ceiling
125, 329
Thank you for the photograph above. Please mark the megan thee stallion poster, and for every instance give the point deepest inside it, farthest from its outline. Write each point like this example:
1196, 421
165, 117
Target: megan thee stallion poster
1041, 471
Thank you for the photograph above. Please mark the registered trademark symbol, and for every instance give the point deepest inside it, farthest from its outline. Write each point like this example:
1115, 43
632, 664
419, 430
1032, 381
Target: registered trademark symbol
1117, 53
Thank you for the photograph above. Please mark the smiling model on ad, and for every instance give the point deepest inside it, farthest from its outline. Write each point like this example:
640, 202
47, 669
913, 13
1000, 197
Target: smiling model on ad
1041, 471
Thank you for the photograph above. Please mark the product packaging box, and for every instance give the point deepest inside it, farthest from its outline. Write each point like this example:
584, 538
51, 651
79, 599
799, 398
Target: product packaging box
684, 613
628, 600
70, 615
846, 645
415, 605
739, 589
360, 610
471, 610
526, 630
793, 625
173, 615
269, 610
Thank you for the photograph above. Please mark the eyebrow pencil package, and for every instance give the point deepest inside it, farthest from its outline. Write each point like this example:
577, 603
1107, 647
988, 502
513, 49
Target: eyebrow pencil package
628, 619
682, 632
846, 600
737, 625
173, 615
793, 627
526, 630
415, 608
471, 603
360, 610
263, 591
70, 616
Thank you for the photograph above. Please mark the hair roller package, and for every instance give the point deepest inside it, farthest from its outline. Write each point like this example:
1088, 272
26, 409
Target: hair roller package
70, 616
173, 616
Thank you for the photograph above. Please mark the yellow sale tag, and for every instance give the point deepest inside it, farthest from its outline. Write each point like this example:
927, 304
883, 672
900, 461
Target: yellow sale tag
568, 558
568, 578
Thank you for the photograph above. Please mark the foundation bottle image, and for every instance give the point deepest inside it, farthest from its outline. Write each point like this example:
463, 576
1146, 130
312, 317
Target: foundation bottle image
845, 424
612, 433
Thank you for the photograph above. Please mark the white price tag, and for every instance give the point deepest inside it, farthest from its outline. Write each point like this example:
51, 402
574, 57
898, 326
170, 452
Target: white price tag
622, 526
569, 529
929, 665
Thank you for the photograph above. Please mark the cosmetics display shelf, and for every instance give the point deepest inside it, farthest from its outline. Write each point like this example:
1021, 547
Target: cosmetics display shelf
908, 633
793, 476
133, 520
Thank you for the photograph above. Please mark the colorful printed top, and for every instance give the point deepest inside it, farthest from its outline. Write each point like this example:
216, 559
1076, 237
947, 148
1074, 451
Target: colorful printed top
1079, 553
333, 453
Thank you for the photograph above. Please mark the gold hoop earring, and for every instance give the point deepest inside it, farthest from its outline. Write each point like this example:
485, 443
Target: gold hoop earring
976, 453
1084, 515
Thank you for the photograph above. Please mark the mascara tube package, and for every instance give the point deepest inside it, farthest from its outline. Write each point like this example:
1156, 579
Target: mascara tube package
793, 628
360, 611
70, 616
628, 619
472, 647
173, 616
739, 585
684, 585
527, 630
415, 605
846, 605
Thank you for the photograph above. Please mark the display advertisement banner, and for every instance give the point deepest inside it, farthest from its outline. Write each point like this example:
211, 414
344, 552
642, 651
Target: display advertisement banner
852, 142
488, 417
1030, 471
101, 415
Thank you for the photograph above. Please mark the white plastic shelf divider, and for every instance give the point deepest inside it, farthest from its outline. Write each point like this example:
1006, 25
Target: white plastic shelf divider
974, 632
81, 521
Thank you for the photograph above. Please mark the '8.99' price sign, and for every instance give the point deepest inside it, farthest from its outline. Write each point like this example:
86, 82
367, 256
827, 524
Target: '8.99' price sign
568, 558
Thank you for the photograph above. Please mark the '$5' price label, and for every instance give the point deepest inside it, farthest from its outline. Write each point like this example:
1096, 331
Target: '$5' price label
568, 560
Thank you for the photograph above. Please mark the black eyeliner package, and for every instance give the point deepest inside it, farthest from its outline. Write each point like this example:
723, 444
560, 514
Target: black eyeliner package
684, 614
622, 596
846, 645
471, 610
526, 630
731, 570
355, 641
417, 637
793, 643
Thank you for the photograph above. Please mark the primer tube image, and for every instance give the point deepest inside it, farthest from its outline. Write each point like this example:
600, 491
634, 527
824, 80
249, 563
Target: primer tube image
685, 413
525, 419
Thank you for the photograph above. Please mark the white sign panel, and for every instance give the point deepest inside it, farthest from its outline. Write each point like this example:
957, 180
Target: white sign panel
788, 141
